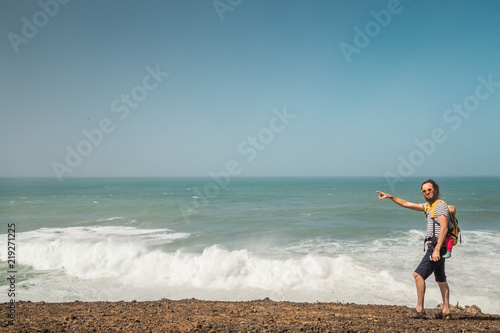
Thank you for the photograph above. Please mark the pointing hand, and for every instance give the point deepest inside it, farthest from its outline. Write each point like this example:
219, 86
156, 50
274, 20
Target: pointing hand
382, 195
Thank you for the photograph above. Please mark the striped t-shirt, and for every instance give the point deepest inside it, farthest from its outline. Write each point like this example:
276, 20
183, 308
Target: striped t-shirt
441, 209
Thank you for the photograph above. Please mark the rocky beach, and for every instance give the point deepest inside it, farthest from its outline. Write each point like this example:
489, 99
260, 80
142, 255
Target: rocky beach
265, 315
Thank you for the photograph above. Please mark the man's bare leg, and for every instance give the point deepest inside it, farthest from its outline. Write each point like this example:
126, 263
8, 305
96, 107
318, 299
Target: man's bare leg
445, 293
420, 284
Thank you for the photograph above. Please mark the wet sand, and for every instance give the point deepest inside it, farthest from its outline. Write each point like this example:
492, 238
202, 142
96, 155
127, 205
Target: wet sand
252, 316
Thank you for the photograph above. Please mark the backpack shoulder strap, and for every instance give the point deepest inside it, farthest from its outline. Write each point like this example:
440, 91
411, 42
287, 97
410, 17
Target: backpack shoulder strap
434, 206
427, 208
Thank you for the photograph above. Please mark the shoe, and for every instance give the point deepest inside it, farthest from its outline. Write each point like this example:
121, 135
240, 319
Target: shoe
447, 255
442, 315
418, 315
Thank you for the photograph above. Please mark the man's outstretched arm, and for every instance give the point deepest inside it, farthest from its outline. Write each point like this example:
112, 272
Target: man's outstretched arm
401, 202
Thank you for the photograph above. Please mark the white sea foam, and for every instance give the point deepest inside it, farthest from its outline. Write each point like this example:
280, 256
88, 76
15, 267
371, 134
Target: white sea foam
113, 263
88, 252
124, 255
110, 219
120, 260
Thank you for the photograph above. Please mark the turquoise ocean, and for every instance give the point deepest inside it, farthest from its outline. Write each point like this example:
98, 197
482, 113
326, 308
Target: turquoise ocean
295, 239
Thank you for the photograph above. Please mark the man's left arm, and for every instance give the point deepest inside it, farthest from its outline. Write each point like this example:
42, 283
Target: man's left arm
443, 222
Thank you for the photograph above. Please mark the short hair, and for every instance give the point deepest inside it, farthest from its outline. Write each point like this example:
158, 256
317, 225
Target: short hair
434, 185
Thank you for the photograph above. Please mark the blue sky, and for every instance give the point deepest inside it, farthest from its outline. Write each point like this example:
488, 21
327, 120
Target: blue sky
184, 88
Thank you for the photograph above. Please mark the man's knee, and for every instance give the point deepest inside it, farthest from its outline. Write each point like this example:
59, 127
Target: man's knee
416, 276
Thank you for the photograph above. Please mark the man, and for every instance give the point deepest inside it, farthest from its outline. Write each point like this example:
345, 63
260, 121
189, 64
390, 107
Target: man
432, 262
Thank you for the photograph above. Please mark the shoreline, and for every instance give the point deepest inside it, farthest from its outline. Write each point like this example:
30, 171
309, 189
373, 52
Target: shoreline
192, 315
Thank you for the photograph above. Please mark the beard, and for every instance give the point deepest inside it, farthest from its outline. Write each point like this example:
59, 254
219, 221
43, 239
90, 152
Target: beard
431, 199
